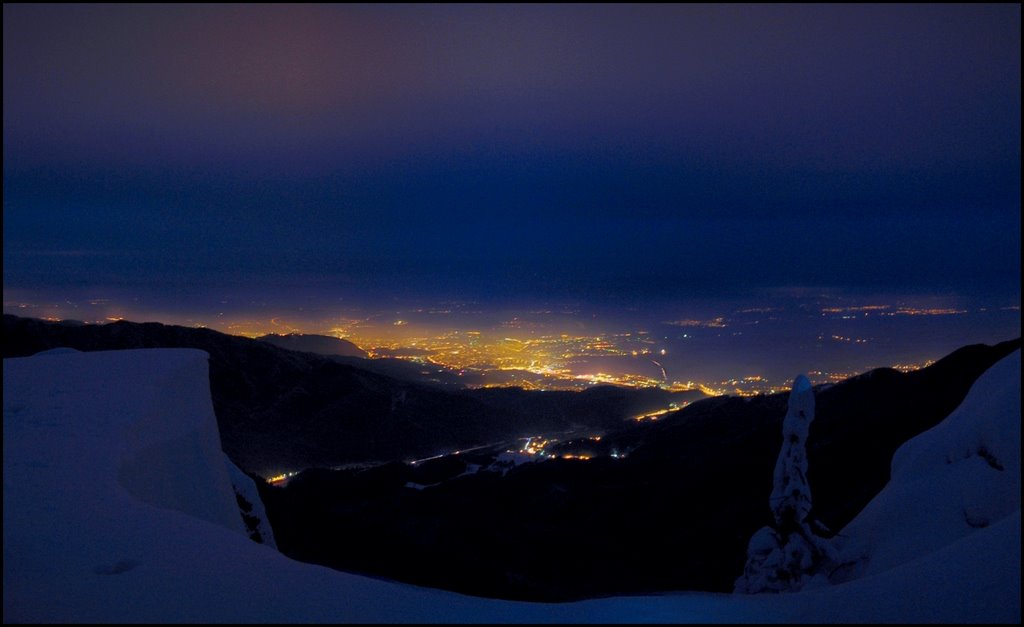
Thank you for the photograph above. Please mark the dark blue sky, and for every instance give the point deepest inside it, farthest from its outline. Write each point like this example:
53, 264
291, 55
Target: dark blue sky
498, 151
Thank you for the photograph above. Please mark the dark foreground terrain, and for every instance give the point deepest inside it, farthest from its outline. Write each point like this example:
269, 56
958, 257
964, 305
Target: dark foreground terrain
674, 514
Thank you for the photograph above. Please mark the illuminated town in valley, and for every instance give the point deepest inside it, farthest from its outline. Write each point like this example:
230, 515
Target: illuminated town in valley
569, 348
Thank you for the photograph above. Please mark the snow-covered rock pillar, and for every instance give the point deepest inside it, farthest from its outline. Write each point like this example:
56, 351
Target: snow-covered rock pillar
791, 494
780, 559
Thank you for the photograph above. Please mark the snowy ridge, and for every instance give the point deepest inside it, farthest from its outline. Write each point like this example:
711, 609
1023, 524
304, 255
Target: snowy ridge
93, 534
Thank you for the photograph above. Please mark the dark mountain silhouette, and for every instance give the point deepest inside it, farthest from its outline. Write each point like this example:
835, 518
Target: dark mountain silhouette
282, 410
675, 514
410, 371
345, 352
602, 406
317, 344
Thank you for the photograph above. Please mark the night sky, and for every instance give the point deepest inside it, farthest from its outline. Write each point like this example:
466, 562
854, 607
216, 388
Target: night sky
504, 152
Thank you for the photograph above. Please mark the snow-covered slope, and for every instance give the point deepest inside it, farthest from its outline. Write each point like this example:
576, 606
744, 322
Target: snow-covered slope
942, 540
958, 477
118, 507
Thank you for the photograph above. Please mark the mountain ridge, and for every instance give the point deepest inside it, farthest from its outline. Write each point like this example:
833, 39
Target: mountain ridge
281, 410
674, 512
316, 344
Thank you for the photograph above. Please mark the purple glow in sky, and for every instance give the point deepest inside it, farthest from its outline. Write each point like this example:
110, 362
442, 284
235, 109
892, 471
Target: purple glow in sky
534, 151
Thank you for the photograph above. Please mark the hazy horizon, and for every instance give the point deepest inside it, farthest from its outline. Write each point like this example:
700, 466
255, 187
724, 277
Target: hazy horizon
237, 164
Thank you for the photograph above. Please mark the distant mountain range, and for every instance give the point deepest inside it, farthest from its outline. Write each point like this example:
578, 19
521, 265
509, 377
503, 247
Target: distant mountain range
282, 410
317, 344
